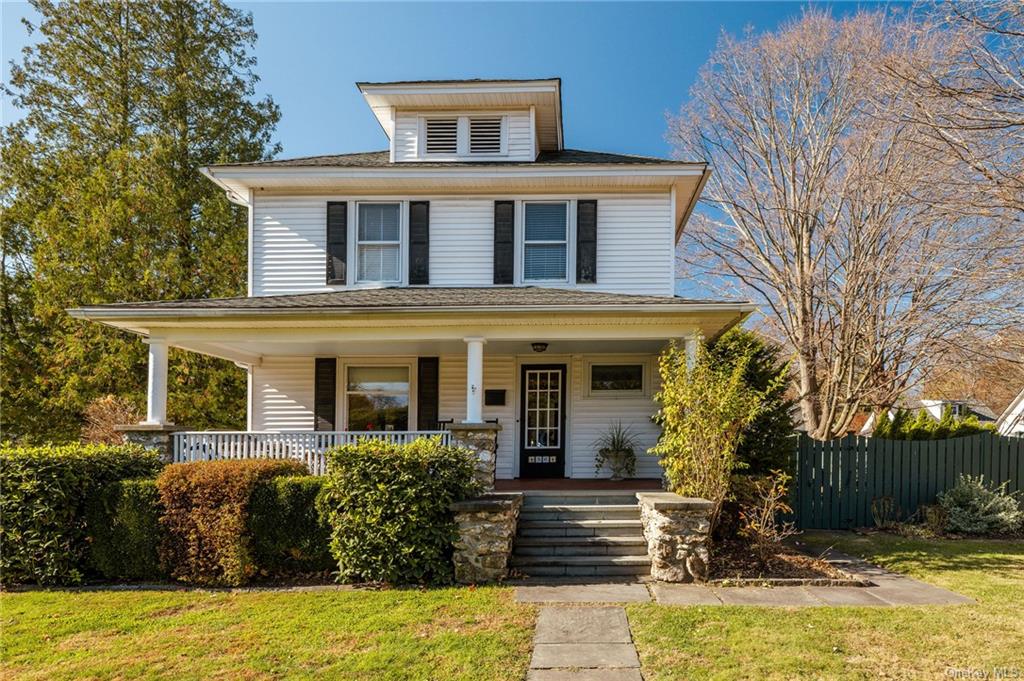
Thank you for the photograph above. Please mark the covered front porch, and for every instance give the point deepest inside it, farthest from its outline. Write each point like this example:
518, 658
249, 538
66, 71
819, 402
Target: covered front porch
548, 380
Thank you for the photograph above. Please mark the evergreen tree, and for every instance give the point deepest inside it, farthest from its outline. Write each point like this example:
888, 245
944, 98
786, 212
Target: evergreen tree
767, 442
103, 202
883, 427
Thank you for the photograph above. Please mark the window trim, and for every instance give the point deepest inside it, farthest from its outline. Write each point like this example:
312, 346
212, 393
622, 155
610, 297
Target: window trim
401, 244
643, 362
409, 363
567, 242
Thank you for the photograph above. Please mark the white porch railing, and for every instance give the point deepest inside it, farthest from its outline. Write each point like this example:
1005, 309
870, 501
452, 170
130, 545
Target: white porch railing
306, 446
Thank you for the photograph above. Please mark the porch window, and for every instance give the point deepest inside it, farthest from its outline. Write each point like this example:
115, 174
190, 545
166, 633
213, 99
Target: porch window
545, 241
379, 242
616, 379
377, 398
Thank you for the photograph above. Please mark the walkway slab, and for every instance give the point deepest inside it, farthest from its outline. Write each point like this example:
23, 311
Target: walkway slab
912, 592
583, 593
666, 593
779, 597
587, 655
582, 625
620, 674
846, 595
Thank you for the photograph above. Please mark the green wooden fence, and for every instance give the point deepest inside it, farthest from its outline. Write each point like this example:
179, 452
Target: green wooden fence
837, 480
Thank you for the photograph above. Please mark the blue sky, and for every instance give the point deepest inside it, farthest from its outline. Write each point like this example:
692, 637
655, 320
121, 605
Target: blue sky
623, 65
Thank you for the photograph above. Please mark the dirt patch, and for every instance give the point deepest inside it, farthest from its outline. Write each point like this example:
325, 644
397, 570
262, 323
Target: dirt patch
734, 559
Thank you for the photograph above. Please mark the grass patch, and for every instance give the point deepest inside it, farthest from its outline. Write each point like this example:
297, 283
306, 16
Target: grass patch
890, 643
456, 633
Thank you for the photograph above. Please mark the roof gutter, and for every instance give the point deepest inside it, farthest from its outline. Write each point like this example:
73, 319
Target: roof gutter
101, 313
231, 194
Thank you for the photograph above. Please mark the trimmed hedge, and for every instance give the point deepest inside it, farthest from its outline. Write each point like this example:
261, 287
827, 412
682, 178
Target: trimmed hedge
205, 523
388, 508
124, 522
43, 490
288, 534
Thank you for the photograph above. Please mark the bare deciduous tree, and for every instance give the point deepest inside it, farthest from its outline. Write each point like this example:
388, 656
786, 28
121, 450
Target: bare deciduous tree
824, 207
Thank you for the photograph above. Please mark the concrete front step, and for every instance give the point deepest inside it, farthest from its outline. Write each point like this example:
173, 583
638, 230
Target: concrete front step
580, 546
580, 498
550, 566
582, 512
580, 528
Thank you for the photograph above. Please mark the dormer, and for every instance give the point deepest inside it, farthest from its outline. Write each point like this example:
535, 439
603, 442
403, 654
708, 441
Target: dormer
468, 120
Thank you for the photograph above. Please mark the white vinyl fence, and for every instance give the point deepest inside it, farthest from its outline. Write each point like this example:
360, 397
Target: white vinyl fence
306, 446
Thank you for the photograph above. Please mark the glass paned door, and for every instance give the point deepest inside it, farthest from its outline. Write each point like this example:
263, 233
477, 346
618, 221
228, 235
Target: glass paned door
543, 421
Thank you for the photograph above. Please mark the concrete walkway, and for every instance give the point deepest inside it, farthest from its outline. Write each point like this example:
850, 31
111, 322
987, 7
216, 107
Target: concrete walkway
576, 643
888, 589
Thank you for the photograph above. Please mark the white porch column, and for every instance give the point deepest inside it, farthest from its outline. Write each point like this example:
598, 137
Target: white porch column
474, 379
156, 395
690, 345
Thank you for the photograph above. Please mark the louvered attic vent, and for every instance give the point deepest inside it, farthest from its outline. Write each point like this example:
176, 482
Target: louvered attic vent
442, 135
485, 135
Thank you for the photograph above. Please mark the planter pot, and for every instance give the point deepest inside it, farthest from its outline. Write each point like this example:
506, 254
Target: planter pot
617, 463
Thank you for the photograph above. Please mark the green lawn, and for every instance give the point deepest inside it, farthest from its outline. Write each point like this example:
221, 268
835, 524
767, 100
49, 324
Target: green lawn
892, 643
432, 634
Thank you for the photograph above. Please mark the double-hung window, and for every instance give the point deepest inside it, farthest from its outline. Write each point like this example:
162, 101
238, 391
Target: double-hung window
377, 398
546, 241
379, 242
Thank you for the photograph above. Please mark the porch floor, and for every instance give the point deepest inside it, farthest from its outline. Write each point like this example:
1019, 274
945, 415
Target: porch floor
570, 484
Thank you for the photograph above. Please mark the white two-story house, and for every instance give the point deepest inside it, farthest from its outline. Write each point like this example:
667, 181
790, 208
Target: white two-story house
474, 271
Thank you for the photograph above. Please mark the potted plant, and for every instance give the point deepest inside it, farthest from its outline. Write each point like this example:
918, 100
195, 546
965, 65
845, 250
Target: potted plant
616, 451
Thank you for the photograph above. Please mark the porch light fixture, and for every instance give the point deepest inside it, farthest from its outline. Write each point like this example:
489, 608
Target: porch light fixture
539, 347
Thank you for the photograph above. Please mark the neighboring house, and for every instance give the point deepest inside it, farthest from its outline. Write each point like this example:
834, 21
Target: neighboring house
1011, 421
474, 271
962, 408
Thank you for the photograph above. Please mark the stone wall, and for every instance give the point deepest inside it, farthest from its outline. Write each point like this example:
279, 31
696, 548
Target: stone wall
487, 528
156, 437
482, 438
677, 532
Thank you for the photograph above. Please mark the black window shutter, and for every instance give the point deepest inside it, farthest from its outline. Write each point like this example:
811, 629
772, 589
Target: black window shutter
586, 242
337, 242
428, 384
504, 241
325, 386
419, 242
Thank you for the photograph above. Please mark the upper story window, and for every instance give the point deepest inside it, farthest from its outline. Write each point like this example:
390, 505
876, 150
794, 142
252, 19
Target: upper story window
379, 242
463, 136
546, 241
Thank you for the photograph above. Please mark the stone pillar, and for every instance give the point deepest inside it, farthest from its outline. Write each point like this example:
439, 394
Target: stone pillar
474, 379
677, 531
482, 438
156, 393
153, 436
487, 528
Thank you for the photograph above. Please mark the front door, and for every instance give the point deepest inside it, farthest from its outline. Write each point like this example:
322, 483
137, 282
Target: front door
542, 419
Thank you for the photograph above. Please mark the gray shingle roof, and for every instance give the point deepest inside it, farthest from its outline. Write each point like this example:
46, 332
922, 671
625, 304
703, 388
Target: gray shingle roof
426, 297
381, 159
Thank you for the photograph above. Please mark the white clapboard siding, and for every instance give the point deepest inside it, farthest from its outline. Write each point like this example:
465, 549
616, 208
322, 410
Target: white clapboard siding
634, 245
590, 418
519, 135
289, 245
282, 394
499, 373
462, 242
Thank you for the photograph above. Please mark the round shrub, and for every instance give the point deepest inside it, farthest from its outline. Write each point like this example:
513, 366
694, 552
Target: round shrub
388, 508
125, 533
43, 491
973, 507
206, 536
